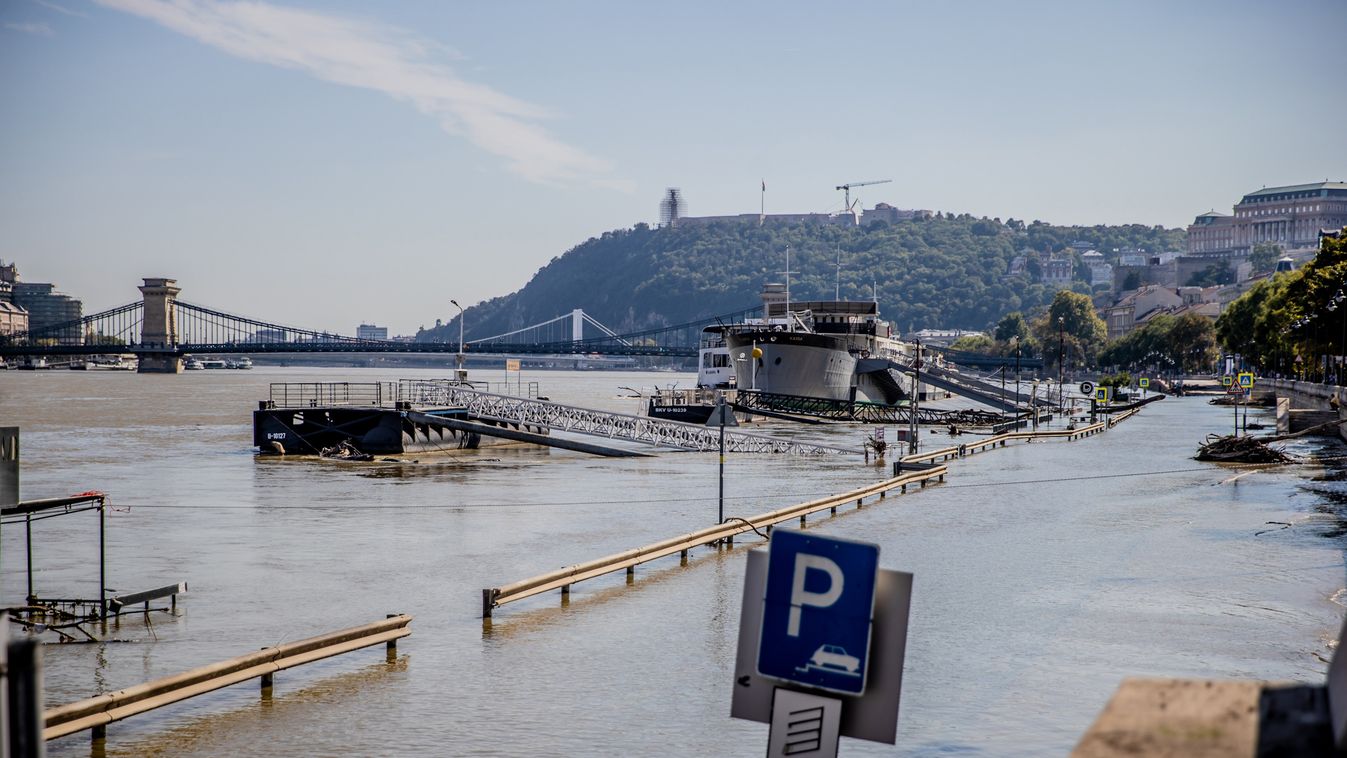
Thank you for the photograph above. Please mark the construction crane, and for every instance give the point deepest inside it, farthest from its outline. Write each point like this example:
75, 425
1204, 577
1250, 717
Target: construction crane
847, 188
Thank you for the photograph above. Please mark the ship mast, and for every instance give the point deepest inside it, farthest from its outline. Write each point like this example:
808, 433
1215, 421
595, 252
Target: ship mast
789, 324
837, 290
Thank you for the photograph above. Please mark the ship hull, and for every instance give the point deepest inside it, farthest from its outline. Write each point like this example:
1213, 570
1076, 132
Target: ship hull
809, 364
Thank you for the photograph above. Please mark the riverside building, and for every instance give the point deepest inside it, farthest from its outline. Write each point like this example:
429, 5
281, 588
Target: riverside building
1289, 216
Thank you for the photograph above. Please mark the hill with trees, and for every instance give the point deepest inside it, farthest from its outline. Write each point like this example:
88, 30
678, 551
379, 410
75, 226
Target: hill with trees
945, 271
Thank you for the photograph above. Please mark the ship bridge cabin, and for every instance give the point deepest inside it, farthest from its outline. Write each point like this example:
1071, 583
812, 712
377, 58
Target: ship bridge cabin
835, 316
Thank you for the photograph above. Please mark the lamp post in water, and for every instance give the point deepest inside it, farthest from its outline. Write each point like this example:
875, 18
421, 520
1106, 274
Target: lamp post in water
460, 338
1061, 362
722, 416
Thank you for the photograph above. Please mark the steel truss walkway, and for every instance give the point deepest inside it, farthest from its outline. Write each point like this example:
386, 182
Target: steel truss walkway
956, 382
864, 412
567, 418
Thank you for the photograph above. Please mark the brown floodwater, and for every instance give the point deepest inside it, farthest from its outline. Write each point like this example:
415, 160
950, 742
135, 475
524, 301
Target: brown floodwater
1044, 574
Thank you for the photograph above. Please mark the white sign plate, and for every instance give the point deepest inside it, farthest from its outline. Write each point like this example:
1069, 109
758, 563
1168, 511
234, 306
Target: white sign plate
804, 725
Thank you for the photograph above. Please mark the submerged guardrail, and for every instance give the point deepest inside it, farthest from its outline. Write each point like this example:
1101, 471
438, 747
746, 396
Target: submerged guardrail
494, 597
97, 712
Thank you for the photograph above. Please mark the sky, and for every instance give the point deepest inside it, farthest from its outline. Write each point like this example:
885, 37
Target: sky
327, 164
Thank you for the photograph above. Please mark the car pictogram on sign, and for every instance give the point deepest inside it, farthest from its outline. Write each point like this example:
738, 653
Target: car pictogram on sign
834, 658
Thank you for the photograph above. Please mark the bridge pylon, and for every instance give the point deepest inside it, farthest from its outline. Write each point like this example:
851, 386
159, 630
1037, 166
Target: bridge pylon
159, 353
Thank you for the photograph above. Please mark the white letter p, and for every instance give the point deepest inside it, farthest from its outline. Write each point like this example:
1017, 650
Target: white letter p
800, 597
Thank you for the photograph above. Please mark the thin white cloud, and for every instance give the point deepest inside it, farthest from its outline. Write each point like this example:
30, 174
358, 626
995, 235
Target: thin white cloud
359, 53
60, 9
39, 29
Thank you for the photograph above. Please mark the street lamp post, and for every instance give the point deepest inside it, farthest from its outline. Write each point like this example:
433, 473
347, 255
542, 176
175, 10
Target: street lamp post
1061, 362
1016, 341
912, 428
461, 373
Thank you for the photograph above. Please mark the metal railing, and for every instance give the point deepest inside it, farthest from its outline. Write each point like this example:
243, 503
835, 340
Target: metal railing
97, 712
494, 597
569, 418
315, 394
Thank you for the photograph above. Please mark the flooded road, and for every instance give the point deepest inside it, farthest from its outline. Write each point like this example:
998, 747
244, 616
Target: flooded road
1044, 573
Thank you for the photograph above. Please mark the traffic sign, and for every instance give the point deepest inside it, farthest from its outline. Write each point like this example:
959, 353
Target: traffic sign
1227, 380
1246, 379
722, 414
1102, 393
872, 716
1144, 382
1087, 388
817, 611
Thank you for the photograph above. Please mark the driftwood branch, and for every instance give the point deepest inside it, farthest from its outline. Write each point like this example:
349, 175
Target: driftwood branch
1303, 432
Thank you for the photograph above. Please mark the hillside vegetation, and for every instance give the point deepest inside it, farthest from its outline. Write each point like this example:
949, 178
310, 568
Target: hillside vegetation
941, 272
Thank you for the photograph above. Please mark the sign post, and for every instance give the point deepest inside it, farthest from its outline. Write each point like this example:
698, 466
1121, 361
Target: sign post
722, 416
1144, 383
822, 635
1246, 388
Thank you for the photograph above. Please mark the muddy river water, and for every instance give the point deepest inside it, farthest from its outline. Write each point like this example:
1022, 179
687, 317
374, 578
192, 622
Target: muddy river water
1044, 573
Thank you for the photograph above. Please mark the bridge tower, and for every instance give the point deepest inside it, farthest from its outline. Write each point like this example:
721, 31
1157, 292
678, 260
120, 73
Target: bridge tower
577, 325
159, 353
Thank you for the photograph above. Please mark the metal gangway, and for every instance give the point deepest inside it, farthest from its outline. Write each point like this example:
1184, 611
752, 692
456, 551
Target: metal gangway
860, 411
568, 418
958, 383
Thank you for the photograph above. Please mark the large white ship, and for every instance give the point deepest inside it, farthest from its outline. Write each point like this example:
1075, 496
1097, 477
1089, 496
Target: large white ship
830, 349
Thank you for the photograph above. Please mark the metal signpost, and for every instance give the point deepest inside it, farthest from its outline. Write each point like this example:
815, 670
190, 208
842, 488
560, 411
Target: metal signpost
722, 416
1144, 383
1246, 386
822, 635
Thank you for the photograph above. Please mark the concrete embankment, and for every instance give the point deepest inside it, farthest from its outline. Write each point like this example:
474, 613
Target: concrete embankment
1301, 405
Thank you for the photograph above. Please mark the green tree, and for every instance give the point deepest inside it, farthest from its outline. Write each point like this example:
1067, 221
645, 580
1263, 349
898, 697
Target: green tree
1264, 257
1216, 273
975, 343
1071, 323
1132, 281
1011, 325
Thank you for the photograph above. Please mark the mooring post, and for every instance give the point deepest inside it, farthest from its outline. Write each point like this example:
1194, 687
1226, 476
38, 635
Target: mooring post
631, 571
802, 522
486, 603
683, 558
565, 590
103, 566
99, 733
28, 540
265, 680
392, 645
833, 510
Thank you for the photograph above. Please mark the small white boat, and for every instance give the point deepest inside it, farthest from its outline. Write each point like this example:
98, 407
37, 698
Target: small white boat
192, 364
242, 363
210, 363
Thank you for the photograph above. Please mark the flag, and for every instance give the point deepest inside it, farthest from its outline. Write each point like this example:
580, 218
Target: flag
764, 185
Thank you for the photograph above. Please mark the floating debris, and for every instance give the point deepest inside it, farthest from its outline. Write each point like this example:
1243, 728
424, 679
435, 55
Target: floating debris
1232, 449
345, 451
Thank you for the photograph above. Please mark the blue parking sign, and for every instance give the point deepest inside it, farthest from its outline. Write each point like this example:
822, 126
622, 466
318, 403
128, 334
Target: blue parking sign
817, 611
